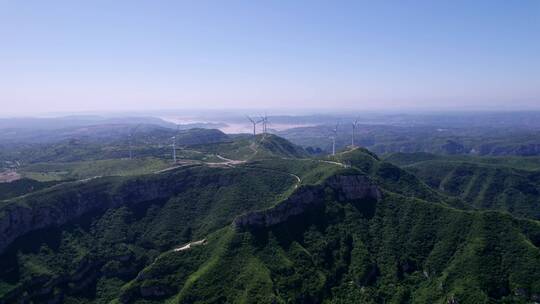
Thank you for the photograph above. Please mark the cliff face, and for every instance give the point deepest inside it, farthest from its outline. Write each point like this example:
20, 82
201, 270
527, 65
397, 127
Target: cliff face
67, 202
70, 201
344, 188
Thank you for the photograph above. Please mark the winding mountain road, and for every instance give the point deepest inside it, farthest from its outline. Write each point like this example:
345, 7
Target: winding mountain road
189, 245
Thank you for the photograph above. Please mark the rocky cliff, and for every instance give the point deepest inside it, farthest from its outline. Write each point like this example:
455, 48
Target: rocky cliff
342, 187
60, 204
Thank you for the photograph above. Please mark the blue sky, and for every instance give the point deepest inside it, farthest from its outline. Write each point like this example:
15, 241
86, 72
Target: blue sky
146, 55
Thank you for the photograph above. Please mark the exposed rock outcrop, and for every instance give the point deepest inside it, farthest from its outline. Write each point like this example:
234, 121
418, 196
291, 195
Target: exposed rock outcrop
344, 188
63, 203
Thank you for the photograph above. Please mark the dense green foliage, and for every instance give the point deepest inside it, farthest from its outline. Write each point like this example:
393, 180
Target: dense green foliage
406, 250
512, 190
21, 187
420, 243
118, 242
199, 136
516, 162
107, 142
85, 169
487, 183
388, 176
254, 147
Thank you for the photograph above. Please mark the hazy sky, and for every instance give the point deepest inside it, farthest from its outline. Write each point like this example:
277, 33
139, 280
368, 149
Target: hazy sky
137, 55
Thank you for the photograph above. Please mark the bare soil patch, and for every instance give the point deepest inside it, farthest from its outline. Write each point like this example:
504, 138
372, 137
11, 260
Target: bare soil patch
9, 176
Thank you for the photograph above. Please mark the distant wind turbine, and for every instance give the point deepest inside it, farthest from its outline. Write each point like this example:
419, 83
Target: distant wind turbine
334, 131
354, 125
264, 120
130, 139
174, 144
254, 124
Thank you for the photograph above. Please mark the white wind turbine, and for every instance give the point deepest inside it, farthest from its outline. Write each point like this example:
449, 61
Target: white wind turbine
354, 125
174, 144
334, 135
130, 140
264, 120
254, 124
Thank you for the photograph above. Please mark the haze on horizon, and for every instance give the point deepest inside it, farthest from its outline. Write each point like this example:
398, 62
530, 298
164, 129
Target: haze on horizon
58, 56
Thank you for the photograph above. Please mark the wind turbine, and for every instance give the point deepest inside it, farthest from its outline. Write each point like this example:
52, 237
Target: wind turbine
354, 125
264, 120
130, 138
254, 124
174, 148
174, 144
334, 131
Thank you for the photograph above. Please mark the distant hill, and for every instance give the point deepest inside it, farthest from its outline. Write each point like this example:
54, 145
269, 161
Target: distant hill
412, 138
529, 163
404, 159
200, 136
272, 145
107, 132
106, 142
75, 121
247, 147
503, 183
484, 186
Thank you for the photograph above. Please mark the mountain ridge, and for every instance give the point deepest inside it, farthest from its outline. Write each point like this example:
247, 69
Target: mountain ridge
276, 228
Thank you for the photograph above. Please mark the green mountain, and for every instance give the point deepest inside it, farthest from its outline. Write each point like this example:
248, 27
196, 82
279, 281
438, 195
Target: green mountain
247, 147
524, 163
64, 235
271, 227
199, 136
413, 137
102, 142
349, 240
496, 183
21, 187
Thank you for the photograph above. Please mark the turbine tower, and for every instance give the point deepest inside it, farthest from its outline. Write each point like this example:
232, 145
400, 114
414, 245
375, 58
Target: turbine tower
264, 120
174, 148
354, 125
130, 138
334, 131
174, 144
254, 124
